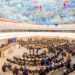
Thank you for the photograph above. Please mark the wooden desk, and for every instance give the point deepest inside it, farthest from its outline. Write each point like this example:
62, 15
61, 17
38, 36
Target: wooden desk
6, 47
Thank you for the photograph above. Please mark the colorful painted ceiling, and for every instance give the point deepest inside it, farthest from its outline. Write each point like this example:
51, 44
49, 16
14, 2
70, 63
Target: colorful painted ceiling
48, 12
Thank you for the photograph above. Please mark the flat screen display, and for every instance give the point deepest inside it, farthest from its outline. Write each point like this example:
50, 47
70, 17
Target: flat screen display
11, 40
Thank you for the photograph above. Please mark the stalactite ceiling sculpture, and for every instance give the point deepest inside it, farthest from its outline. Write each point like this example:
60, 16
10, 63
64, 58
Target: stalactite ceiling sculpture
49, 12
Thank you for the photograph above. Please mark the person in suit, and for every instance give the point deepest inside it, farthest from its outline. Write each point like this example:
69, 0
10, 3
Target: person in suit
4, 67
74, 66
34, 61
25, 71
68, 65
65, 71
47, 69
9, 66
21, 68
42, 62
15, 71
42, 72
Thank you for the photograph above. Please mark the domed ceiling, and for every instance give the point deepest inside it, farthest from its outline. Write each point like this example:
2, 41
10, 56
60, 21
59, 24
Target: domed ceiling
47, 12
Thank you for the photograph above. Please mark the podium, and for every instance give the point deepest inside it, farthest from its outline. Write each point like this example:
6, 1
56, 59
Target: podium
2, 54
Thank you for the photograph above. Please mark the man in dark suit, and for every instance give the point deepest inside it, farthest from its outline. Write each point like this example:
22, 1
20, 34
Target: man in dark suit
21, 68
25, 71
42, 72
15, 71
9, 66
4, 68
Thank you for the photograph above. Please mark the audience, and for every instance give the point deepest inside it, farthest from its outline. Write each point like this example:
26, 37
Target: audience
57, 56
